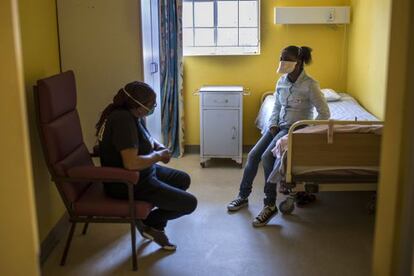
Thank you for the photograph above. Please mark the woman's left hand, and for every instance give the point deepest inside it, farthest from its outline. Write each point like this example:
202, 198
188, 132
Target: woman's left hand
165, 155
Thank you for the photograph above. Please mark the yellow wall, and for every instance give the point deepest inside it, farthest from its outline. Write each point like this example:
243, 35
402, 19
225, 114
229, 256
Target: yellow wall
398, 129
18, 234
259, 72
368, 53
100, 42
40, 59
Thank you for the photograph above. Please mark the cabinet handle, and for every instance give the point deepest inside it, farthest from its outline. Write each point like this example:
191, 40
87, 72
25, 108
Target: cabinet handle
225, 101
234, 133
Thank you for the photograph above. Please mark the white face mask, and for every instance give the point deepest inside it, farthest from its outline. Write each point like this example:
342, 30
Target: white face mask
286, 67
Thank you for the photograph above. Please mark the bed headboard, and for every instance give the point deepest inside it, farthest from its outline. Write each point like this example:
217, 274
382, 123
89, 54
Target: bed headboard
265, 94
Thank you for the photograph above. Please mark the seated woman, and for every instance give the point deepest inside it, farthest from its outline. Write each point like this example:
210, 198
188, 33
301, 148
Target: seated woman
125, 142
295, 97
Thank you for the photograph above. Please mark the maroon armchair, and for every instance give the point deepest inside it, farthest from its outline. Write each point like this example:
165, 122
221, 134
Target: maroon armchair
70, 164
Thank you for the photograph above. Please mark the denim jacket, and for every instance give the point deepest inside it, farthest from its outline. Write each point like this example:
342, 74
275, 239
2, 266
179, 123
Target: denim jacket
295, 101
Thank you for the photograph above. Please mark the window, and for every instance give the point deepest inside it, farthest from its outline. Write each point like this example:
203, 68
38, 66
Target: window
221, 27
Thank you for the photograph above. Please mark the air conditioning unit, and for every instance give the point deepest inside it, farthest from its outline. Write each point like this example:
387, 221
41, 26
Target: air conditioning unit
313, 15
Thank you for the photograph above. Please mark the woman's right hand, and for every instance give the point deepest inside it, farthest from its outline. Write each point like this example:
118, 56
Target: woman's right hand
165, 155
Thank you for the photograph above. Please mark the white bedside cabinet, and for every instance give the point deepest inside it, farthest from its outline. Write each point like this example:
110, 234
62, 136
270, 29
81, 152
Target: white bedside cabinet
221, 121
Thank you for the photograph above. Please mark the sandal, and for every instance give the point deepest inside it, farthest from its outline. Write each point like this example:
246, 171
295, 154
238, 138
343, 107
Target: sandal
303, 198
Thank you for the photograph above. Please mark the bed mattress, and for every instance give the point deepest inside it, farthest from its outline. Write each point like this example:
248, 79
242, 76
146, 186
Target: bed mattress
346, 109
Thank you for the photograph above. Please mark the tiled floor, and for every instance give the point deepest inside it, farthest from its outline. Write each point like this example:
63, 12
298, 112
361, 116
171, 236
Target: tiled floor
333, 236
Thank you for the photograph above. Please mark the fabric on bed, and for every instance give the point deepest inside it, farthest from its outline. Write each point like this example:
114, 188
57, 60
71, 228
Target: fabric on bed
346, 109
330, 95
262, 120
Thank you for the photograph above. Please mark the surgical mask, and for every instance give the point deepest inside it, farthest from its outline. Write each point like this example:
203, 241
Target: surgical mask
149, 111
286, 67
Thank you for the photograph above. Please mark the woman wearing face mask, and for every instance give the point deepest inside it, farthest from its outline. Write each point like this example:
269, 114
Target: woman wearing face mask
296, 95
125, 142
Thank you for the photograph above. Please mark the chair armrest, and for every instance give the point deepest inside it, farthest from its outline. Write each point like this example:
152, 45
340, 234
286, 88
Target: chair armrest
109, 174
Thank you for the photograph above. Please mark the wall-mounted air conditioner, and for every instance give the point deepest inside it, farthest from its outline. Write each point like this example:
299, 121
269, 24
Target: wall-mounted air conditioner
312, 15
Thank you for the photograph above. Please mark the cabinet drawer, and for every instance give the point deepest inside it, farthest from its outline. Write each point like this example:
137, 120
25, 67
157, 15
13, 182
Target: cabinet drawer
221, 99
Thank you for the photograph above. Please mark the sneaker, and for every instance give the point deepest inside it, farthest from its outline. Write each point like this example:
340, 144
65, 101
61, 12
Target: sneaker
140, 227
237, 204
267, 213
157, 236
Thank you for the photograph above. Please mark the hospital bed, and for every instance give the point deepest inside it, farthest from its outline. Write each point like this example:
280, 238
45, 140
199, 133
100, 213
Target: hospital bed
341, 154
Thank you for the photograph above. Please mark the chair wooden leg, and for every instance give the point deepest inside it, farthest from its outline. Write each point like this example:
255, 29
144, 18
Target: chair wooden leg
68, 242
133, 247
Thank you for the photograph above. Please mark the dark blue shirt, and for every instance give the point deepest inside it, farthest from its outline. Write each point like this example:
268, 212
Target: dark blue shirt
122, 130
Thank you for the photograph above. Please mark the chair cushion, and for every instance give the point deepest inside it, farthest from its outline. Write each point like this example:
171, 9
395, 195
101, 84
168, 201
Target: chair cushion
57, 96
78, 157
94, 202
62, 136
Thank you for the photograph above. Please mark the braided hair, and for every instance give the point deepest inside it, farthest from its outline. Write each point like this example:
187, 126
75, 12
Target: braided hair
140, 91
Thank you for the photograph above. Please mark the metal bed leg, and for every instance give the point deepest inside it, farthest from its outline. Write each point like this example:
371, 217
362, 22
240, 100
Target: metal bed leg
68, 242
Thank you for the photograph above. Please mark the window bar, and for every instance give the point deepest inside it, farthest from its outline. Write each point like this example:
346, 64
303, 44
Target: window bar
258, 23
238, 23
193, 23
215, 22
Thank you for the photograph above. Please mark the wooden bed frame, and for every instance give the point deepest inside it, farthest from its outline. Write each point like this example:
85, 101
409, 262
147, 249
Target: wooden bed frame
333, 149
330, 149
350, 149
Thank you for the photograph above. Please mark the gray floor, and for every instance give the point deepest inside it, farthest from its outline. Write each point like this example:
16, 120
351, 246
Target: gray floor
333, 236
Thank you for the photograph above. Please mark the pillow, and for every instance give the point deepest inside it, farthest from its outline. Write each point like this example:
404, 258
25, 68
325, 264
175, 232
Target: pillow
331, 95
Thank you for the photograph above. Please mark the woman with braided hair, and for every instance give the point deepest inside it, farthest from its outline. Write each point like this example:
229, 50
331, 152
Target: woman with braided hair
125, 142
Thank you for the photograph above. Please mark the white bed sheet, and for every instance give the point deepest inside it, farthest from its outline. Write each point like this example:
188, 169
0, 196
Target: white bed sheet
346, 109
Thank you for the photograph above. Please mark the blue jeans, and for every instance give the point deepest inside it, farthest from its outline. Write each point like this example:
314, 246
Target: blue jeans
262, 151
166, 189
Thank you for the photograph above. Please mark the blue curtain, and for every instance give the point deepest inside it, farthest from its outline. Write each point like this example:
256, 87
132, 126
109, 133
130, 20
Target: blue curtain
171, 70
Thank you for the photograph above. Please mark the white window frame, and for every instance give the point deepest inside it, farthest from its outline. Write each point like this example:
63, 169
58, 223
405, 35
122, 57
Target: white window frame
222, 50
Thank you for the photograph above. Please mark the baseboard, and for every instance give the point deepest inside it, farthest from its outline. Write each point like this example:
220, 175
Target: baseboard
192, 149
196, 148
54, 237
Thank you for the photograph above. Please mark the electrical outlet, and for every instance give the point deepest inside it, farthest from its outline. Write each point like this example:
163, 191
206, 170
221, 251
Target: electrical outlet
331, 15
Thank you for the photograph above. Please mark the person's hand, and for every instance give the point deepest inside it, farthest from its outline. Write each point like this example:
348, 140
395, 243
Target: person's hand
273, 130
165, 155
